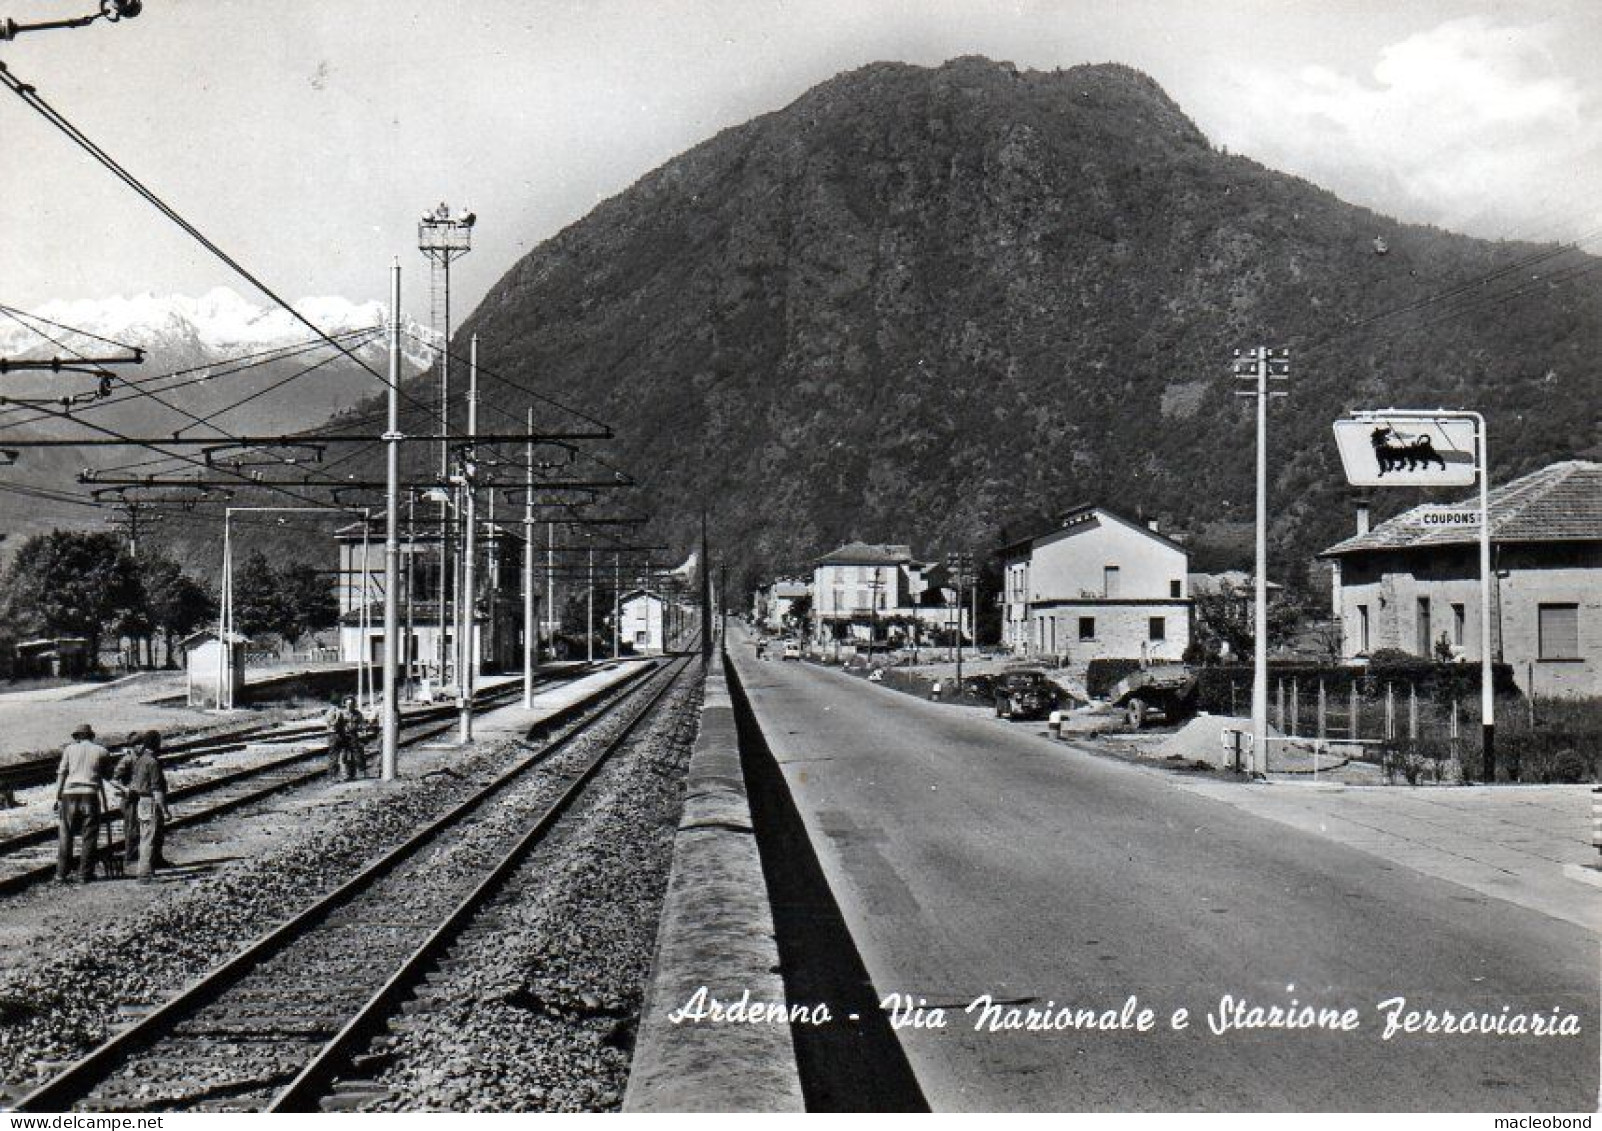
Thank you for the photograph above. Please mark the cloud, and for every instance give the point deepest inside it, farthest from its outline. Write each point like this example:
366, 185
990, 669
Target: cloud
1471, 125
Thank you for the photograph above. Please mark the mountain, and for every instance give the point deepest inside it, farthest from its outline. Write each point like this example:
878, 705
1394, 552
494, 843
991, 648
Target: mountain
219, 322
938, 306
191, 369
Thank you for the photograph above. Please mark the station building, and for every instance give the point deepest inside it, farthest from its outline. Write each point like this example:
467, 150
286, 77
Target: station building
1406, 585
498, 615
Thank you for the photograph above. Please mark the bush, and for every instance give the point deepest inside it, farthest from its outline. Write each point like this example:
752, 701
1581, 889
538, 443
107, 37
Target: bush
1553, 757
1440, 683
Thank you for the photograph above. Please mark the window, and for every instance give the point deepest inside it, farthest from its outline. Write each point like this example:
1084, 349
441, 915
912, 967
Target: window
1362, 628
1176, 589
1560, 632
1459, 619
1422, 642
641, 636
1109, 581
1087, 628
1159, 628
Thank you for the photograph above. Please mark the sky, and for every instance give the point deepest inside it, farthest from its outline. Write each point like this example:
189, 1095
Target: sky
307, 136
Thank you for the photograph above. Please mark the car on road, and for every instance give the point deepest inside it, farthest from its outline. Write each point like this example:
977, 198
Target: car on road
792, 650
1024, 695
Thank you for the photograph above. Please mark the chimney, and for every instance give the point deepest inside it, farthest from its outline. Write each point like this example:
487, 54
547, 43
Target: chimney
1362, 516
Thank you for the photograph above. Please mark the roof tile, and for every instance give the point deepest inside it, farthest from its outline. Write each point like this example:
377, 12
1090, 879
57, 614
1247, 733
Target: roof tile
1559, 503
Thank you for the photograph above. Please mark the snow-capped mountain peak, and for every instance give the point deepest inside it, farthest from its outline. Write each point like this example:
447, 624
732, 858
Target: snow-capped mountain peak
220, 321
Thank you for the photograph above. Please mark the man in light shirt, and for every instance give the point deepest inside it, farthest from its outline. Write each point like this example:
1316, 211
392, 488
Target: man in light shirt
84, 763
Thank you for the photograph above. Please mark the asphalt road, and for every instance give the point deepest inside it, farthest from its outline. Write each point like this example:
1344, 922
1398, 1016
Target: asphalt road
970, 856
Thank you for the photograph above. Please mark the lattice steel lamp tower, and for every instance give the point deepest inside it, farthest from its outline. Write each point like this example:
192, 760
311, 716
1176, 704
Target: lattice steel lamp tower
443, 239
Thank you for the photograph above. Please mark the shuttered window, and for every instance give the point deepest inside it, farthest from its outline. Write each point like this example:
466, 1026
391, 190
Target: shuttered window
1560, 632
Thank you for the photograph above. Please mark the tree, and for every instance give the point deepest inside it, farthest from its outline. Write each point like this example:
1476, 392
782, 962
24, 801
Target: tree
72, 583
258, 601
307, 600
1226, 618
176, 603
798, 617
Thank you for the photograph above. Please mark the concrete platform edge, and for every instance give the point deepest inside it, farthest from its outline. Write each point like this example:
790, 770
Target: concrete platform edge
716, 932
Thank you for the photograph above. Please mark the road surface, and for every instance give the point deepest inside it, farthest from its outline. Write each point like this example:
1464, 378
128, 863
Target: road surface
972, 857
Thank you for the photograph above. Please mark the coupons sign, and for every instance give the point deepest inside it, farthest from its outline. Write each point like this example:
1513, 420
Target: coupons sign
1444, 518
1406, 451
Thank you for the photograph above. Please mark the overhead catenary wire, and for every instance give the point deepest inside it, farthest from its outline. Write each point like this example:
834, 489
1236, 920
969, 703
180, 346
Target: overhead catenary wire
185, 412
20, 314
492, 375
30, 96
184, 378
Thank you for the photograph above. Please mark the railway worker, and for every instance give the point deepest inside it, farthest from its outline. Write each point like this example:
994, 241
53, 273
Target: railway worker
84, 763
148, 787
345, 753
121, 777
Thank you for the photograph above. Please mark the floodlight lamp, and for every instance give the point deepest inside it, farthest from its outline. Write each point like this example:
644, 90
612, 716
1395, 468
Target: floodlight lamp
115, 10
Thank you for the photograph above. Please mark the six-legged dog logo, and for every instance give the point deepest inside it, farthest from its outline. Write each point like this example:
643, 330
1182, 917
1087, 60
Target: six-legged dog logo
1407, 453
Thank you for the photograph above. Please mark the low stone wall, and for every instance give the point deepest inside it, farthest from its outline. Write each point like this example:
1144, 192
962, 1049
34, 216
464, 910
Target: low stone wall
716, 935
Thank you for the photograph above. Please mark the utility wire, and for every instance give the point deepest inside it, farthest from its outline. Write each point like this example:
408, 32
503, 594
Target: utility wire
31, 97
485, 371
68, 329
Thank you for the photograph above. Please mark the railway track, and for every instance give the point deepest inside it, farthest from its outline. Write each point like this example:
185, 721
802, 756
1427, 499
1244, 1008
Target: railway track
27, 857
274, 1027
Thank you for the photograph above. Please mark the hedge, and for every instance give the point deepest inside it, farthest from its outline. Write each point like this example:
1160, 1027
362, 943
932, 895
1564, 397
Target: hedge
1437, 681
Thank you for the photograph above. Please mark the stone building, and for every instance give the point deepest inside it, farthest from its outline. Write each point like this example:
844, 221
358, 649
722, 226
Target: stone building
1095, 586
1416, 587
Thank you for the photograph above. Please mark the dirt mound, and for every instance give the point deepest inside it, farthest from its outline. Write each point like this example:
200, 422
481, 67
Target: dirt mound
1202, 739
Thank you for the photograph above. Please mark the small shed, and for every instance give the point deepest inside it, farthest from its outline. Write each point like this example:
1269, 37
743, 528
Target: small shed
53, 656
201, 657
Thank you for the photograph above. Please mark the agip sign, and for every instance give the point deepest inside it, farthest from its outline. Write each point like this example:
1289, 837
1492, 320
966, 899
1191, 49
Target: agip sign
1407, 451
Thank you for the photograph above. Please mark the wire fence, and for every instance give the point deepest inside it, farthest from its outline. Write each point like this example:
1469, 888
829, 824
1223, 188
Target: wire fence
1415, 736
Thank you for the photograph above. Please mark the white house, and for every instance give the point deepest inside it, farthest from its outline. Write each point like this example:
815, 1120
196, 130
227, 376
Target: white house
1097, 585
771, 603
1406, 585
644, 617
861, 588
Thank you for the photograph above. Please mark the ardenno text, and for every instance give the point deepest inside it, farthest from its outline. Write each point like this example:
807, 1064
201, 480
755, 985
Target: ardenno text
1231, 1014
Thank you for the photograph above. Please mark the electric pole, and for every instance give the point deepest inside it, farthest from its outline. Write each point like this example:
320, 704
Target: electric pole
468, 598
617, 606
961, 566
706, 596
589, 609
530, 632
390, 723
1261, 366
